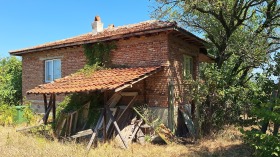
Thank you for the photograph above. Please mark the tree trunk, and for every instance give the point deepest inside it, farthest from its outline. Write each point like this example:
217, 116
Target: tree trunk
276, 129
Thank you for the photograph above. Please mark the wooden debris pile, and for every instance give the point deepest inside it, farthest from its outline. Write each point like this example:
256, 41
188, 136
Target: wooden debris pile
71, 122
165, 134
116, 121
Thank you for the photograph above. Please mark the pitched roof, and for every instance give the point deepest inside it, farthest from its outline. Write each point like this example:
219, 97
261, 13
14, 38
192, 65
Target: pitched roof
151, 26
108, 79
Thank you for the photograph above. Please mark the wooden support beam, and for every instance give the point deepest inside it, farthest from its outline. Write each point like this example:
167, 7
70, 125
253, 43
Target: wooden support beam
145, 92
28, 128
70, 124
104, 116
45, 102
50, 102
129, 93
97, 127
46, 116
128, 106
116, 125
75, 122
54, 107
136, 80
60, 124
171, 106
83, 133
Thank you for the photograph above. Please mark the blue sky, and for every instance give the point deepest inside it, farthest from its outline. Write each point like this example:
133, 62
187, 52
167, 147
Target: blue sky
25, 23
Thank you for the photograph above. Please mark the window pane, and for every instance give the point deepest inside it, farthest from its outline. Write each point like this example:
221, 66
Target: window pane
188, 66
56, 68
48, 71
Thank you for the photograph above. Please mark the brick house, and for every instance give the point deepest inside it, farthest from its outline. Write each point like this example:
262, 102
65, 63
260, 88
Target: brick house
154, 53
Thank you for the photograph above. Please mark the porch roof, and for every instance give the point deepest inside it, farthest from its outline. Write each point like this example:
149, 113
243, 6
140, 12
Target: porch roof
107, 79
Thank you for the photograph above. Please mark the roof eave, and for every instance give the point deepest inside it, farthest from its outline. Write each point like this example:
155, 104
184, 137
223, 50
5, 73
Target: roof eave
115, 37
187, 33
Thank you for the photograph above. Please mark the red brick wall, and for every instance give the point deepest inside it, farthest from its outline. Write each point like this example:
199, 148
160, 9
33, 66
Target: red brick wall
141, 51
33, 73
149, 50
178, 48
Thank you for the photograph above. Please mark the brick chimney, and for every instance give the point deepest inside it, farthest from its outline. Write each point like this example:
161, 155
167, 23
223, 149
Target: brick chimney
97, 25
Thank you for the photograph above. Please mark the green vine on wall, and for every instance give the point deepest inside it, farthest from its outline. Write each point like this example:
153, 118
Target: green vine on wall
98, 53
98, 57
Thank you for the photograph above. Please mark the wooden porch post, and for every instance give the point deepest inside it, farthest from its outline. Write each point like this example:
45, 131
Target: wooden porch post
104, 116
54, 107
45, 102
145, 91
46, 116
171, 106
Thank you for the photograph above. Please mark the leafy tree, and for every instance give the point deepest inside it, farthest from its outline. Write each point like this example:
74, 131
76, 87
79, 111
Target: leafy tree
265, 139
10, 81
229, 25
241, 34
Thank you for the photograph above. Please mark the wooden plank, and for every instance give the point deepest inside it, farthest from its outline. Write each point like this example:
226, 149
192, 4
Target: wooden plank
91, 140
104, 123
85, 111
188, 120
131, 83
97, 127
75, 122
50, 102
129, 93
46, 116
159, 132
28, 128
136, 129
116, 125
67, 125
171, 106
128, 106
60, 124
128, 133
70, 125
83, 133
110, 120
145, 92
140, 137
45, 102
137, 80
123, 87
112, 102
54, 108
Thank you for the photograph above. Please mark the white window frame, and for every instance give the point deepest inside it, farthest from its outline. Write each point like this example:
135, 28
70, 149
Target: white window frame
190, 66
52, 70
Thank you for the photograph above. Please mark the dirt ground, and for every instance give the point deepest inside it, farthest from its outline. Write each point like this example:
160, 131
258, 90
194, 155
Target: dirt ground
225, 143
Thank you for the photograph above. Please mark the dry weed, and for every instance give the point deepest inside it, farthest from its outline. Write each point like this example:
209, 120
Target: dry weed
13, 144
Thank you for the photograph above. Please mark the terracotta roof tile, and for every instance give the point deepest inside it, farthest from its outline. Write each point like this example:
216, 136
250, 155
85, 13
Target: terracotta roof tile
106, 33
108, 79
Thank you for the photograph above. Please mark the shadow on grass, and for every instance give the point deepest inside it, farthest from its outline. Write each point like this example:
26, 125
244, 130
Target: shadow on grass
229, 151
241, 150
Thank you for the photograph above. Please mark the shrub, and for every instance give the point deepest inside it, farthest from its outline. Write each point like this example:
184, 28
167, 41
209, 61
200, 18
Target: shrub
7, 114
264, 144
10, 81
